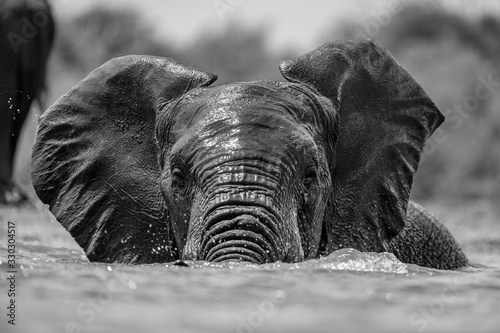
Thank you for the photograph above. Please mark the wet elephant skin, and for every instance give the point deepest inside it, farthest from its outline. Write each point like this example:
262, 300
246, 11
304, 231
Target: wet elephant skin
146, 161
26, 38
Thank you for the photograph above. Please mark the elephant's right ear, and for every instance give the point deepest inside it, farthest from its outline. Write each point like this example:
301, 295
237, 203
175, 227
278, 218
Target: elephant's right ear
385, 119
95, 158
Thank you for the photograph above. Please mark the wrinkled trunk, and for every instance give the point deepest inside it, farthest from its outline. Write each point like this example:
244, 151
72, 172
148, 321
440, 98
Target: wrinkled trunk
238, 234
243, 218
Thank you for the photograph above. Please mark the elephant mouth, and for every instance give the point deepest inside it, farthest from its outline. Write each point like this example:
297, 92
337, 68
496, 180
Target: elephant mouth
234, 235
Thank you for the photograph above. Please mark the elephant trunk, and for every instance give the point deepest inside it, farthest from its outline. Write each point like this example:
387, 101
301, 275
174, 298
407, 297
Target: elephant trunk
238, 234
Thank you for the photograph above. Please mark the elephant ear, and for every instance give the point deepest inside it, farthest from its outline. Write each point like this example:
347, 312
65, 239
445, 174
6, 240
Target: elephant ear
95, 158
385, 119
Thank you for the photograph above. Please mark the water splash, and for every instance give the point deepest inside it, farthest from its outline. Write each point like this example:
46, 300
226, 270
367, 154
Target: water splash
341, 260
354, 260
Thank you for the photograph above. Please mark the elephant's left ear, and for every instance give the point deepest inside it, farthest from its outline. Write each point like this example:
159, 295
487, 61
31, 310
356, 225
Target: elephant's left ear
385, 119
95, 158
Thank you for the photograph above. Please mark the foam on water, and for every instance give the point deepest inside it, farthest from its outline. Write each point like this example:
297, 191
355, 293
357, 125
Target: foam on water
340, 260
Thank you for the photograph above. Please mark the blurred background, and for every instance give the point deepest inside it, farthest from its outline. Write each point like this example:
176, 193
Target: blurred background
451, 47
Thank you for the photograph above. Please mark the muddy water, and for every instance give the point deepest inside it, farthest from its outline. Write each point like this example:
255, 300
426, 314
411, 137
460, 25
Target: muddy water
58, 290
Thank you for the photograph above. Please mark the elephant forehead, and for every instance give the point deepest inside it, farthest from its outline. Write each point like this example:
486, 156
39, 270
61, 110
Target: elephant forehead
243, 117
259, 105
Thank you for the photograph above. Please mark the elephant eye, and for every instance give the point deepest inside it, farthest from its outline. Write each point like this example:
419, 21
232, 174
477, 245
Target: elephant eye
309, 179
178, 179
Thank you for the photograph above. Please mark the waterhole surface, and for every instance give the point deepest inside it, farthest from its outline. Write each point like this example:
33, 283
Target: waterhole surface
58, 290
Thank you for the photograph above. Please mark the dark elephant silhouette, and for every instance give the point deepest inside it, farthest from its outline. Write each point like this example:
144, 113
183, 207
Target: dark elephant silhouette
26, 38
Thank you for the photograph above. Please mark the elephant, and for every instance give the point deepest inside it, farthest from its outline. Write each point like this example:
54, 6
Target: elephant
26, 38
145, 161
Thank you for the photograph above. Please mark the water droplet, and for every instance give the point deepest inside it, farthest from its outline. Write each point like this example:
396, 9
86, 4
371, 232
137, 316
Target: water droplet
279, 294
109, 268
131, 284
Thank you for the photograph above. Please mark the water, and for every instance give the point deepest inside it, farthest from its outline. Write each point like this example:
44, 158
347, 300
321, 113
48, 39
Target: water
58, 290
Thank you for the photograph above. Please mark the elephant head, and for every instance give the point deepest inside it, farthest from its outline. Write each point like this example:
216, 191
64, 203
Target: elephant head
144, 161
